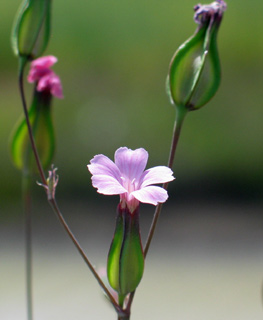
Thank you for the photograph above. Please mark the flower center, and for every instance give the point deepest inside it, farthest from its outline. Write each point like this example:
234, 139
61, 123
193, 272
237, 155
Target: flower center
129, 185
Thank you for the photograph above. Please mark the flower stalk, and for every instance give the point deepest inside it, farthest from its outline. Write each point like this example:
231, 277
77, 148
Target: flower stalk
180, 116
63, 222
52, 201
128, 178
193, 79
29, 127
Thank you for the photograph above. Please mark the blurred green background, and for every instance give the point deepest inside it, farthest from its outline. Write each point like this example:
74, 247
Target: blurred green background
113, 62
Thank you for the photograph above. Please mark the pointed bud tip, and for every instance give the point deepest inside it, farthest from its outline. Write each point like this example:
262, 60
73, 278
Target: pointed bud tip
204, 12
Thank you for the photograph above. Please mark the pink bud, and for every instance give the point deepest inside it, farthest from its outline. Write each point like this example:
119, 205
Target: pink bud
45, 78
51, 82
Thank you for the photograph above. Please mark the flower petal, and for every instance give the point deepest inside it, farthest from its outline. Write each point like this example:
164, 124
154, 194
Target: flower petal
37, 73
131, 162
40, 67
151, 194
102, 165
159, 174
56, 87
50, 82
106, 175
44, 62
107, 185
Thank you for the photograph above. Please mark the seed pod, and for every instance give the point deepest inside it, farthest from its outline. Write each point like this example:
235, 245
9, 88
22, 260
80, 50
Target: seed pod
43, 131
194, 73
32, 28
125, 258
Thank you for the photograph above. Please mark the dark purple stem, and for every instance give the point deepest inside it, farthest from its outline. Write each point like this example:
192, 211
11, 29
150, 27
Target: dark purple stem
52, 201
23, 62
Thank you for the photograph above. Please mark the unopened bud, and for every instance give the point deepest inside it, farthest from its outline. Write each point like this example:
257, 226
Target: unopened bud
194, 73
42, 127
47, 84
32, 28
52, 182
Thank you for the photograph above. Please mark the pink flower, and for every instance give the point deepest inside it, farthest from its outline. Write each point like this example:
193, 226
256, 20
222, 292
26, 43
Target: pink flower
127, 178
46, 79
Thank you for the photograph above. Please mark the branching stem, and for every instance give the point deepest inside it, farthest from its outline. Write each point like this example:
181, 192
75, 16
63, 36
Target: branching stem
121, 313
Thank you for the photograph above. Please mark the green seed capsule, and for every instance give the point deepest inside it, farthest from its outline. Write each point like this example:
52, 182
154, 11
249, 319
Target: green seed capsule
43, 131
194, 73
125, 258
32, 28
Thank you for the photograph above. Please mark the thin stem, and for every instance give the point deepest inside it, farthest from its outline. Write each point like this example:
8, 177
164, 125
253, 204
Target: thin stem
52, 201
28, 242
30, 132
121, 298
180, 115
129, 303
55, 207
124, 317
27, 197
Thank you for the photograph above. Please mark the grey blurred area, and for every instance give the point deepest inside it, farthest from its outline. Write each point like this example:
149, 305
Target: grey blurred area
205, 263
206, 259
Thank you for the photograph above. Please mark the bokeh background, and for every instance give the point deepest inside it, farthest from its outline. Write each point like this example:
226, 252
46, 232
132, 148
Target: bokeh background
206, 261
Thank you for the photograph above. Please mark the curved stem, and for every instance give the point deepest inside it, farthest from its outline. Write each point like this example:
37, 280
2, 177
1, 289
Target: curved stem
52, 201
180, 115
22, 63
26, 195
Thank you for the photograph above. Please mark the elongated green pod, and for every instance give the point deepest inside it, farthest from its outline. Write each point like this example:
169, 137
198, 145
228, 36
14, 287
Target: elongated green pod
113, 265
31, 30
194, 73
125, 258
41, 121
